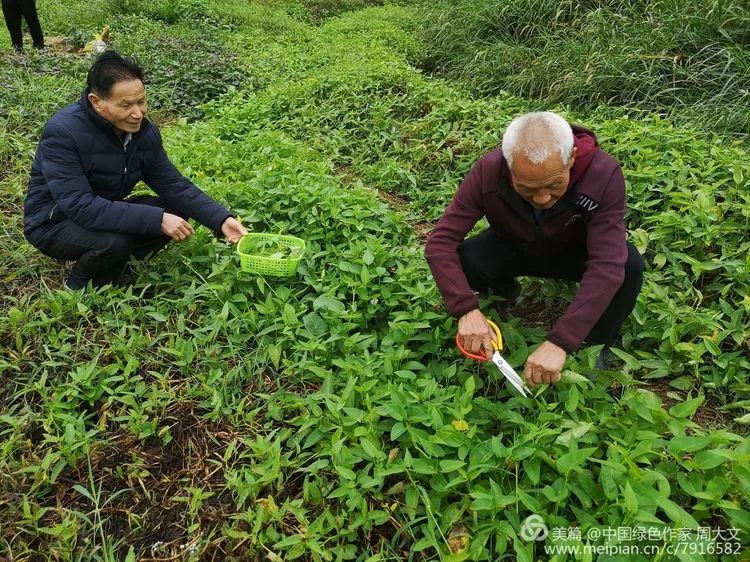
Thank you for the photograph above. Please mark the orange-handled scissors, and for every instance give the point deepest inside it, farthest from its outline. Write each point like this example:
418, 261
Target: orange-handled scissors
497, 359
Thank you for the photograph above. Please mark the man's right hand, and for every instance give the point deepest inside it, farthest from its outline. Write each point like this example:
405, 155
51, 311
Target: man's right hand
176, 227
475, 333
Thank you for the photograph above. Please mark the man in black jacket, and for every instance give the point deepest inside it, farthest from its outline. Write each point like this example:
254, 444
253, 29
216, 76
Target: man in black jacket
91, 155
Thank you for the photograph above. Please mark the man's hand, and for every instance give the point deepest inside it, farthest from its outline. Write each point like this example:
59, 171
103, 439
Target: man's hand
475, 333
545, 364
232, 230
176, 227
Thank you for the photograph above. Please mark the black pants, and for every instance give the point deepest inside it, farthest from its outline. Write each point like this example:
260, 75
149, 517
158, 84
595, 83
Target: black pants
14, 10
100, 256
493, 263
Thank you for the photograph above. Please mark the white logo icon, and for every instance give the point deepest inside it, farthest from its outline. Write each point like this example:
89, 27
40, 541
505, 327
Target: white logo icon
534, 529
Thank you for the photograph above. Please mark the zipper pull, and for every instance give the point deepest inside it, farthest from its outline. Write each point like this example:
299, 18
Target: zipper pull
126, 171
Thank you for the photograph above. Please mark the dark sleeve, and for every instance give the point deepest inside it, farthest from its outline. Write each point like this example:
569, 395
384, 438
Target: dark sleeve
441, 250
180, 193
604, 269
61, 167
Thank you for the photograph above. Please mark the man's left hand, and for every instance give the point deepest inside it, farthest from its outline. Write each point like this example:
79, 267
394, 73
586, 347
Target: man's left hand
232, 230
545, 364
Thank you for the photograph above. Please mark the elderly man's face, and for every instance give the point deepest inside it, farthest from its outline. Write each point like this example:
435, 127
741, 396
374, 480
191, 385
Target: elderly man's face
541, 184
125, 107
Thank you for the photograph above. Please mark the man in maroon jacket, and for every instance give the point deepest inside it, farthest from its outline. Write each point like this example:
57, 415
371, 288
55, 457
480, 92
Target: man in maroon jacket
555, 203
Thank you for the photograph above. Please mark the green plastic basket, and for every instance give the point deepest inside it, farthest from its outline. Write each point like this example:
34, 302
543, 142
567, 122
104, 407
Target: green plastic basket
265, 265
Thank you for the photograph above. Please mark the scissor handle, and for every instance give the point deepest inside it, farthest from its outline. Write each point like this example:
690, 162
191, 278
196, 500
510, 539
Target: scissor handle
497, 345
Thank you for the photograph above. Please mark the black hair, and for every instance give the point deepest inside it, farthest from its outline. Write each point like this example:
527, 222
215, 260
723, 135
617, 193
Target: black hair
108, 68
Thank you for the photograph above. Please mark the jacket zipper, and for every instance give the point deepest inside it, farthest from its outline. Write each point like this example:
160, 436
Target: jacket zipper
52, 212
125, 167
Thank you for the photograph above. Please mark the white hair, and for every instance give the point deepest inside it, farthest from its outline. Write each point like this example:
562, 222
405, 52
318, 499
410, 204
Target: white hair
538, 136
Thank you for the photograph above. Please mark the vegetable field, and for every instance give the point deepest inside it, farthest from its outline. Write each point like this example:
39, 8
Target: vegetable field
204, 413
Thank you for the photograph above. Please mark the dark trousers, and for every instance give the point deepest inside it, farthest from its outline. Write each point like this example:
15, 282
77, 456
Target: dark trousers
493, 263
100, 256
13, 11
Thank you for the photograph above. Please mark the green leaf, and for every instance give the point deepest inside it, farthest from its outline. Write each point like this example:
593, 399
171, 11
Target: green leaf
371, 450
523, 551
397, 430
84, 492
712, 348
572, 402
346, 473
739, 518
469, 385
423, 543
631, 362
576, 432
688, 444
631, 500
289, 316
288, 541
532, 468
687, 408
681, 517
325, 302
158, 316
412, 497
451, 465
571, 377
608, 482
423, 466
499, 450
274, 354
742, 473
572, 459
708, 459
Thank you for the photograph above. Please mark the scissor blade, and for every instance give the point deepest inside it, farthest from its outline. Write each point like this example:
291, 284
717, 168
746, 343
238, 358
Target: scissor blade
510, 374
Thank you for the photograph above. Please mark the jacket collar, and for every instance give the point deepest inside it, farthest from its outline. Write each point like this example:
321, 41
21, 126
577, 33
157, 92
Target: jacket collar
101, 122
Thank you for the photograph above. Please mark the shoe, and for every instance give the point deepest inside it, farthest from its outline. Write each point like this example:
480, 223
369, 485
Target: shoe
509, 297
602, 360
20, 58
71, 286
602, 364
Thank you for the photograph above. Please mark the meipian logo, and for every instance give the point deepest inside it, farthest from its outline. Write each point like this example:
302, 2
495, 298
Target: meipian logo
534, 529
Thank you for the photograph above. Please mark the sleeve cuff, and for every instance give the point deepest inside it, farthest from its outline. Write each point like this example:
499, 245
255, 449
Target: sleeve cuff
154, 222
459, 312
217, 228
565, 344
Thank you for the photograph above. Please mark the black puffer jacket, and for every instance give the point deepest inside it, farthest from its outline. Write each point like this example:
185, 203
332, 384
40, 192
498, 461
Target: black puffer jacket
81, 172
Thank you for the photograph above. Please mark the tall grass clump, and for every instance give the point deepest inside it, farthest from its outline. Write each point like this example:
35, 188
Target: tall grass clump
688, 60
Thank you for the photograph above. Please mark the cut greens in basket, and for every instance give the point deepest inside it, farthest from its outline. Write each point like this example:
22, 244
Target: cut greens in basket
270, 248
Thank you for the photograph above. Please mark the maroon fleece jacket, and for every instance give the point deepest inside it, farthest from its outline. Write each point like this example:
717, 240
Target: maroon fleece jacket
589, 214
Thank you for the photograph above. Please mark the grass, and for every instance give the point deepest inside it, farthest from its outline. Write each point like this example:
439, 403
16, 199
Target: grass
684, 60
207, 413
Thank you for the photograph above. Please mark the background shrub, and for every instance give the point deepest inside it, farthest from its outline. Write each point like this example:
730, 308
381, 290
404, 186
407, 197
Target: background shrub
184, 67
686, 59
